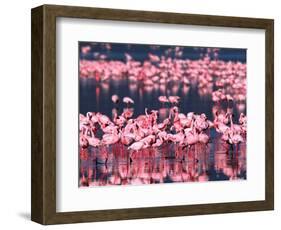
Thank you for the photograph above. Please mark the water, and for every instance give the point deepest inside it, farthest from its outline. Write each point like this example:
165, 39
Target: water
152, 166
95, 96
170, 163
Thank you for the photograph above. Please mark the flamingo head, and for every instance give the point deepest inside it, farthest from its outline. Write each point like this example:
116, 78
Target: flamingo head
154, 112
190, 115
203, 116
175, 109
89, 115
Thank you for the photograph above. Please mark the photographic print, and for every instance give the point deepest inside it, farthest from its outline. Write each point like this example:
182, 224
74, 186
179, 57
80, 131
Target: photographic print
152, 105
151, 114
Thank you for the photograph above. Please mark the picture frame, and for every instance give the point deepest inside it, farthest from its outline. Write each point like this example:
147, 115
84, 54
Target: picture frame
43, 160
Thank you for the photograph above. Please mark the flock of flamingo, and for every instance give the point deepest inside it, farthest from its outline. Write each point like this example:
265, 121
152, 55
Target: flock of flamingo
221, 79
124, 134
145, 131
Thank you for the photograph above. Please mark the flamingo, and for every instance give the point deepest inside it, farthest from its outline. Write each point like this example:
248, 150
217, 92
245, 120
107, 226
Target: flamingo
148, 140
242, 119
235, 138
201, 122
163, 99
110, 139
161, 126
115, 99
93, 141
84, 143
174, 99
103, 119
234, 127
159, 141
128, 101
203, 138
85, 49
128, 113
177, 138
127, 138
137, 146
110, 129
82, 118
191, 136
119, 120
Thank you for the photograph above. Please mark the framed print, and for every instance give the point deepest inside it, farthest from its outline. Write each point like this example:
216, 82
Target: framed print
140, 114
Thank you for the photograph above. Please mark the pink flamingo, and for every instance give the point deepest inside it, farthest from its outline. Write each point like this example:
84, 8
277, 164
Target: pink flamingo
128, 101
161, 126
153, 58
110, 139
119, 120
138, 146
191, 136
235, 138
159, 141
163, 99
115, 99
242, 119
177, 138
127, 113
127, 138
93, 141
85, 49
84, 143
203, 138
103, 119
174, 99
201, 122
110, 129
234, 127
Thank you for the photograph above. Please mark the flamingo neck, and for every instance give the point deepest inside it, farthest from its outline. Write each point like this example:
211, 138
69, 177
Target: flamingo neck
231, 121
